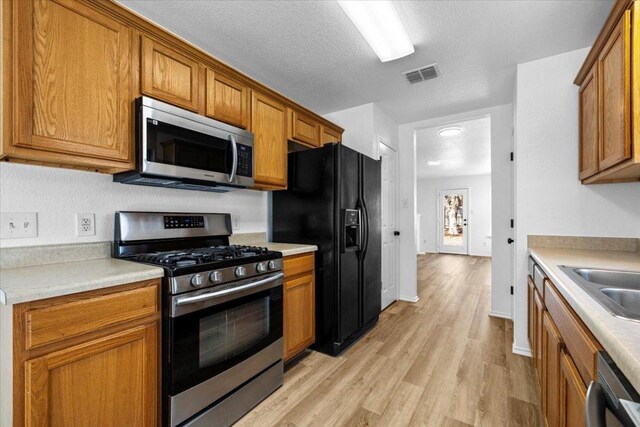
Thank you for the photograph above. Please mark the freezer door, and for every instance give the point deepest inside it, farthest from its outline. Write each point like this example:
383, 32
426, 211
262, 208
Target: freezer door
349, 303
372, 226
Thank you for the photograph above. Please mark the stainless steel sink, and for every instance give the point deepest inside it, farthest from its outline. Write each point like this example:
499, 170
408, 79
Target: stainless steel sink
617, 291
626, 298
623, 279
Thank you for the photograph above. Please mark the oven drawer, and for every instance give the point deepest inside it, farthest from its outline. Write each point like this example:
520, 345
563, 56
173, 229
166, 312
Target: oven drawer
58, 322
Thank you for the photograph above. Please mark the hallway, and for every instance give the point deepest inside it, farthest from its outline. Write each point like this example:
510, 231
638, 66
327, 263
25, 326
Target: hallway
441, 361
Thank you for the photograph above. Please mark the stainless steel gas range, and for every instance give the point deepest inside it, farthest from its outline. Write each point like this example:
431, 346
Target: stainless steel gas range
222, 314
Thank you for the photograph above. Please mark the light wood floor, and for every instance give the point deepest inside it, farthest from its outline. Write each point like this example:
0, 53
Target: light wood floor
439, 362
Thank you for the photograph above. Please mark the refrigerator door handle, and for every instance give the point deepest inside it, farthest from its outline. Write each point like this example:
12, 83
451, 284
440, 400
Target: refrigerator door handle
365, 228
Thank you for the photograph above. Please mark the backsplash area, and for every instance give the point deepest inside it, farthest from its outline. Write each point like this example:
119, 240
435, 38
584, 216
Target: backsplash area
584, 243
57, 195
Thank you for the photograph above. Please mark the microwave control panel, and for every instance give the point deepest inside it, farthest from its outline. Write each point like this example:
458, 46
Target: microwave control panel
245, 160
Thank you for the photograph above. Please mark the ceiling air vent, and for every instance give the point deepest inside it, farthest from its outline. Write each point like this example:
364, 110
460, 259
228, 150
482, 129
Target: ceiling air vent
422, 74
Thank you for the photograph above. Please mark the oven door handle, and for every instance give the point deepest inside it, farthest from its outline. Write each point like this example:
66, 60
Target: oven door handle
217, 294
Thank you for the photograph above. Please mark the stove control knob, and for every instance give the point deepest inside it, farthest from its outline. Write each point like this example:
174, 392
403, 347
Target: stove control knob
272, 265
241, 271
261, 267
196, 280
215, 277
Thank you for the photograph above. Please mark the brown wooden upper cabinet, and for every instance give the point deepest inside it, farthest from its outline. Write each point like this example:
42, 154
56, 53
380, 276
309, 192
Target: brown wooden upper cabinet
303, 128
328, 135
71, 70
609, 100
589, 125
66, 83
169, 75
227, 99
269, 126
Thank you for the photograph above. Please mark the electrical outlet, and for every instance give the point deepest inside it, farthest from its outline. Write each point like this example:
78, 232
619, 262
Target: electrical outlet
236, 222
86, 224
18, 225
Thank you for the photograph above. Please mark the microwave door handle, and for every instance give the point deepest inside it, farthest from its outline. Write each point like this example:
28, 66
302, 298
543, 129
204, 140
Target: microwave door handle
218, 294
234, 149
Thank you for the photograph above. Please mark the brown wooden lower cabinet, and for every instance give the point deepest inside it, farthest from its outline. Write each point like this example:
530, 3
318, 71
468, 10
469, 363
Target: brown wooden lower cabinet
299, 304
107, 375
573, 393
562, 350
538, 313
551, 353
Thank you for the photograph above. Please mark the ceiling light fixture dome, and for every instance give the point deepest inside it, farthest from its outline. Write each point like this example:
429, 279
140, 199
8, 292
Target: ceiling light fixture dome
380, 25
450, 131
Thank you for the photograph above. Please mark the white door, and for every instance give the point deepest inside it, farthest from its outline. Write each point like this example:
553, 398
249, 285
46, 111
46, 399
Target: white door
389, 186
453, 237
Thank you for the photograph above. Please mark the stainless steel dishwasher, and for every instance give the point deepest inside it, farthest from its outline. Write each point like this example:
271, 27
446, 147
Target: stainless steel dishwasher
612, 400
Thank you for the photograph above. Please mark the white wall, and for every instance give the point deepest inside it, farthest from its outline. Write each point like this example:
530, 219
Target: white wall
501, 196
478, 208
549, 196
363, 125
58, 194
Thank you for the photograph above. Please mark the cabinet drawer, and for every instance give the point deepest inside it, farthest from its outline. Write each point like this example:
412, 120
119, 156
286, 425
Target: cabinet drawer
538, 279
580, 343
72, 316
298, 264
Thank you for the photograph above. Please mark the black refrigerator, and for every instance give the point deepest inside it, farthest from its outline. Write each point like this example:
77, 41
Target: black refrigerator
333, 201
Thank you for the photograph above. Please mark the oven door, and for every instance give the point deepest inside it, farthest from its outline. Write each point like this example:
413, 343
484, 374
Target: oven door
180, 144
219, 339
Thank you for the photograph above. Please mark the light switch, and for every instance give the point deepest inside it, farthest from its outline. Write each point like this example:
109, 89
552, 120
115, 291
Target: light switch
18, 225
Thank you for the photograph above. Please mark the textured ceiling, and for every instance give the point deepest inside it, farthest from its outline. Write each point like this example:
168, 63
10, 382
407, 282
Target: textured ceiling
468, 153
311, 52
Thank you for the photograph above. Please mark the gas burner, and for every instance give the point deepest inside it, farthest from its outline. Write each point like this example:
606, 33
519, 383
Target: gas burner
205, 255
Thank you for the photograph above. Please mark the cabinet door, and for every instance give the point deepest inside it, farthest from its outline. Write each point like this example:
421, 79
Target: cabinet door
573, 394
551, 353
328, 135
227, 99
169, 76
109, 381
269, 127
299, 314
71, 85
530, 314
539, 311
614, 79
304, 129
589, 125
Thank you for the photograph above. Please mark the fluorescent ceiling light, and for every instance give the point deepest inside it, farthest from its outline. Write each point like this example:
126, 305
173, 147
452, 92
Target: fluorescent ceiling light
434, 162
381, 27
450, 131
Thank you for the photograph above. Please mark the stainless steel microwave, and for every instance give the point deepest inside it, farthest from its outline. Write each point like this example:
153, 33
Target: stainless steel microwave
176, 148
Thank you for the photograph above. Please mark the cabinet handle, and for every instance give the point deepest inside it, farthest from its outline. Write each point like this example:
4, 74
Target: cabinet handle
510, 240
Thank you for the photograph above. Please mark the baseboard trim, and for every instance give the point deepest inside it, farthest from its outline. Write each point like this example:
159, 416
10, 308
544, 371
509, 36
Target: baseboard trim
521, 350
409, 299
500, 314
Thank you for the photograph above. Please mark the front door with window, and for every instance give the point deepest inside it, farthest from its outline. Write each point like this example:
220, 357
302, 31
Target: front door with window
452, 221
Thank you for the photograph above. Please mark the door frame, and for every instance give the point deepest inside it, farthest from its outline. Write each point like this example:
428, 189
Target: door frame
396, 209
439, 242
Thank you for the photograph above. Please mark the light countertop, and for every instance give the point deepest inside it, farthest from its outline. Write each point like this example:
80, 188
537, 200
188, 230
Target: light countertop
36, 282
260, 239
619, 337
